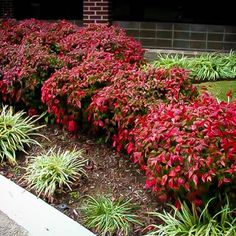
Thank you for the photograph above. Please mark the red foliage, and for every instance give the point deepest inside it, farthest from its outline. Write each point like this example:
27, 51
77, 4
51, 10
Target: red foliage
72, 126
27, 58
32, 50
183, 144
133, 93
229, 94
103, 38
186, 146
68, 91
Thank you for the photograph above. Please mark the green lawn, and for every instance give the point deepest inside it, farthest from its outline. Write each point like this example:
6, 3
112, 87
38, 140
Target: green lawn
219, 88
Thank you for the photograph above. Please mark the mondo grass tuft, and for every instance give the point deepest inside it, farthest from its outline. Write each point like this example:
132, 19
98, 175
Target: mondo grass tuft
16, 130
212, 67
107, 216
195, 222
54, 169
206, 67
169, 61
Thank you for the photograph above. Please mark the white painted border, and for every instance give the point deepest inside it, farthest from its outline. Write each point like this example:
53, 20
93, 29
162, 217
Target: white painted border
35, 215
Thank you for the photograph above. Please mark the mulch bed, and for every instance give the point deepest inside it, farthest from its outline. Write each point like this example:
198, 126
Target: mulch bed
109, 173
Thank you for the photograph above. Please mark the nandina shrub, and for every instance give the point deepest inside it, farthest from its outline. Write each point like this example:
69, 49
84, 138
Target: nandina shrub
6, 27
111, 39
31, 51
10, 66
28, 56
67, 93
59, 30
133, 92
186, 149
23, 71
15, 31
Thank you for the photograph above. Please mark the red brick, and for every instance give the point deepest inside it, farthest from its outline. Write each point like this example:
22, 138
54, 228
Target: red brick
101, 4
89, 13
101, 12
102, 21
96, 17
87, 4
95, 8
105, 17
86, 17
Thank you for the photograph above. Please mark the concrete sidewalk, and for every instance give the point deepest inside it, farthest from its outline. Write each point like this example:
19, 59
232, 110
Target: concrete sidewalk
32, 214
9, 228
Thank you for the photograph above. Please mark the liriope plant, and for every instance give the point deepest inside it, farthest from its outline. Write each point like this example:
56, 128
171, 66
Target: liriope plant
16, 133
54, 169
109, 216
193, 221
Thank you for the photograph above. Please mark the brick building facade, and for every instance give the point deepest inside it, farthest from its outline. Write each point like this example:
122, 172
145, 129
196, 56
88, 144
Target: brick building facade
96, 11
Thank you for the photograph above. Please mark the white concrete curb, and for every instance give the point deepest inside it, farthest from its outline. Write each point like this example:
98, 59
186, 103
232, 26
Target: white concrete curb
35, 215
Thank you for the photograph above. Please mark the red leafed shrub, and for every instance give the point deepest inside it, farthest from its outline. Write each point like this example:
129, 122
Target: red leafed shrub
186, 148
32, 50
13, 32
28, 56
23, 69
133, 92
68, 91
110, 39
184, 144
6, 27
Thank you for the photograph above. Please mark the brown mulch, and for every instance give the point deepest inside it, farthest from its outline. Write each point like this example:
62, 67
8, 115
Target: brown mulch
109, 173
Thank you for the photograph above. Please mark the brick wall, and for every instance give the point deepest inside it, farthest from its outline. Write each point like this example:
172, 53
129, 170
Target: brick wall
6, 8
96, 12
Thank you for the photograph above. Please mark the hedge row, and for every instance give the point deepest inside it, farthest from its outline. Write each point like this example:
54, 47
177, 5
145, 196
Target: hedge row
31, 51
183, 142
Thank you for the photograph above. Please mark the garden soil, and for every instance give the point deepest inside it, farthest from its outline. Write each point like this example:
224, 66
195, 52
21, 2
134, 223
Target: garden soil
109, 173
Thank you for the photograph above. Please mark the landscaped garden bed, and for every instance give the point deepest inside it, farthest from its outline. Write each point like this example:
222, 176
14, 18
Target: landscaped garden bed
108, 173
94, 82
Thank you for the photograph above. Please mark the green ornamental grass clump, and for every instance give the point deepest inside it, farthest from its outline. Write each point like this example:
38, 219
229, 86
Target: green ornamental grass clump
212, 66
54, 169
169, 61
107, 216
206, 67
230, 60
192, 221
16, 131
